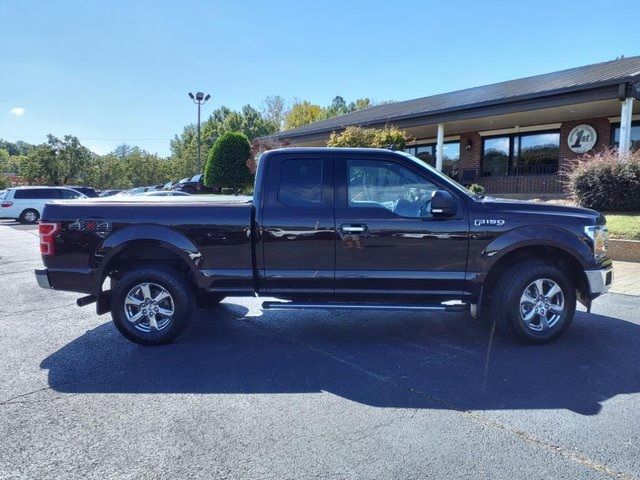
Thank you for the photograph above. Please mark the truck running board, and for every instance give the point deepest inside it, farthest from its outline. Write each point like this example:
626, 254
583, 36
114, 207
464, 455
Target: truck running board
430, 307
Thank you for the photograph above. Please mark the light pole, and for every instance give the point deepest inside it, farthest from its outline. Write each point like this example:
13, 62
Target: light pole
199, 99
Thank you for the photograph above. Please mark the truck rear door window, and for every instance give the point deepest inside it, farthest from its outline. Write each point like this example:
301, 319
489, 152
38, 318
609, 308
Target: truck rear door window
301, 183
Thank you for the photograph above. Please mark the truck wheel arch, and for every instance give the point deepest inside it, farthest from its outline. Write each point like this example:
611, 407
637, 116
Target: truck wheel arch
566, 259
141, 245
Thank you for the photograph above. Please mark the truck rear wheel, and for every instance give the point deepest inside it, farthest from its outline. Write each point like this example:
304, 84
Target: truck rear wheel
151, 305
535, 301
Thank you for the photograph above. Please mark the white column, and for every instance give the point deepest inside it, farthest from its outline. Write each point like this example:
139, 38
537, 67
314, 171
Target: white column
625, 126
440, 147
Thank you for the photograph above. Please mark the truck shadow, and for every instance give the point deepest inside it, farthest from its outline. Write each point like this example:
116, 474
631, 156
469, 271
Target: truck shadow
407, 361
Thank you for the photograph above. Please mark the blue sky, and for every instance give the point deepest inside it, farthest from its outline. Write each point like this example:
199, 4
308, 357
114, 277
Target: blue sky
111, 72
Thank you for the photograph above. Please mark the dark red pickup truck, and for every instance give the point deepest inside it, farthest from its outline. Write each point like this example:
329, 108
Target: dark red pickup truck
330, 229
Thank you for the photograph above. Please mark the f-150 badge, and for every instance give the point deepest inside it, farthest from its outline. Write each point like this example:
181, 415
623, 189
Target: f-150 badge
489, 221
90, 226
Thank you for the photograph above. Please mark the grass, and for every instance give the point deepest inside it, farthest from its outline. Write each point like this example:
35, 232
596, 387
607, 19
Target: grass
625, 226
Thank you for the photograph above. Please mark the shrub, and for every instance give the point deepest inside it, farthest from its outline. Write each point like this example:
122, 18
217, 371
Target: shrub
476, 189
261, 145
604, 181
227, 161
389, 137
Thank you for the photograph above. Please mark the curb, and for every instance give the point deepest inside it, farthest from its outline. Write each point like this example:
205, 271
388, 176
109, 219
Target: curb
624, 250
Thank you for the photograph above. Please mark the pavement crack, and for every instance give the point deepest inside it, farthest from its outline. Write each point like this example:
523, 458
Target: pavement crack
521, 435
16, 400
32, 310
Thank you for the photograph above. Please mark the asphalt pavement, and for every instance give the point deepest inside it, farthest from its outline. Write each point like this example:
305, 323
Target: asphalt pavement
247, 394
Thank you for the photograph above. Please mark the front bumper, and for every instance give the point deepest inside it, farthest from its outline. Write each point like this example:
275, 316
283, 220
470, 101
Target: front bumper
42, 277
599, 280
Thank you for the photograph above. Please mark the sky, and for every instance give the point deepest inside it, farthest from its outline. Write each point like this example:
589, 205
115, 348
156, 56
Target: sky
112, 72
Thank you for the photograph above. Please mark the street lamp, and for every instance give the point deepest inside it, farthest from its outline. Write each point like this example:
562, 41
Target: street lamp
199, 99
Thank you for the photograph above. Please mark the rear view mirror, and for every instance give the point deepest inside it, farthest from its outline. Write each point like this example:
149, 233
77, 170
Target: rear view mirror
443, 204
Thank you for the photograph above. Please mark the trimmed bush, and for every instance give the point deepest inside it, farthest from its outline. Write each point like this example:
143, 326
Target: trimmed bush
227, 162
604, 181
476, 189
389, 137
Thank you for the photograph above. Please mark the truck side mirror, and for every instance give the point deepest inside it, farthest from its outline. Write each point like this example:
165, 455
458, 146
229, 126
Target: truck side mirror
443, 204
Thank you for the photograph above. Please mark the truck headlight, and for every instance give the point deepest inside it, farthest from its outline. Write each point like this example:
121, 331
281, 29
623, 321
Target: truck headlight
599, 236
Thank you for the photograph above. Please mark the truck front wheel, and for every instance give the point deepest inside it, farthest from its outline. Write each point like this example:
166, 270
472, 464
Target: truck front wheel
535, 301
151, 305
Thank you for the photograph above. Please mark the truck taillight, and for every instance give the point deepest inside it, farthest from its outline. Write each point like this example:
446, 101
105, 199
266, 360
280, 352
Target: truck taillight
6, 204
48, 233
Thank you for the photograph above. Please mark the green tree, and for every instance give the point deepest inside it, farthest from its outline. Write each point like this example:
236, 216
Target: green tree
222, 120
360, 104
388, 137
41, 166
4, 160
109, 171
227, 161
303, 113
338, 107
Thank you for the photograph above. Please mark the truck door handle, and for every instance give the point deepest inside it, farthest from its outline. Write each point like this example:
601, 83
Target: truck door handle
352, 229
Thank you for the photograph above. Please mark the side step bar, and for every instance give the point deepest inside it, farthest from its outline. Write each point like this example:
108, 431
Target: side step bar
434, 307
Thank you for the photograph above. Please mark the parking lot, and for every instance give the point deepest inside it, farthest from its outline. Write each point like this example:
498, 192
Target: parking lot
247, 394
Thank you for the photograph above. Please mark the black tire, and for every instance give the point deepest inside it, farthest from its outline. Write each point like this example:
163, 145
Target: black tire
29, 216
506, 302
181, 297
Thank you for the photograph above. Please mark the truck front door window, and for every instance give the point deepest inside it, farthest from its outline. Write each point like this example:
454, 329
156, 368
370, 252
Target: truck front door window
388, 185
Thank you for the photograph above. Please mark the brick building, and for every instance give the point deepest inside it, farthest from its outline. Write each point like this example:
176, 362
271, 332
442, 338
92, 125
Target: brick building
517, 136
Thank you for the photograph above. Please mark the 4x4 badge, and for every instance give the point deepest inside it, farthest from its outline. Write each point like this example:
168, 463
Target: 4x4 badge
90, 226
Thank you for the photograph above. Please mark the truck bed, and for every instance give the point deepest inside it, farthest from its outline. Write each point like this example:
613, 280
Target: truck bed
212, 234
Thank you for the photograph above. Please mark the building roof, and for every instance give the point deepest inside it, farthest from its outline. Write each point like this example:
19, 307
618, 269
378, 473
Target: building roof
565, 81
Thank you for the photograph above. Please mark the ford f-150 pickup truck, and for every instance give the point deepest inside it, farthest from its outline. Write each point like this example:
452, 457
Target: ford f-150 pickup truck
329, 228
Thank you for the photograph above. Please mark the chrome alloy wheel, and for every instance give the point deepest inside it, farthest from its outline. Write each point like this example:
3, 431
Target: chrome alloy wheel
31, 216
541, 304
149, 307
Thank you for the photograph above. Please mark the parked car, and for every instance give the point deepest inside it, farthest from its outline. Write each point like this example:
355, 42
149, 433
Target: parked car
331, 229
25, 204
169, 185
164, 193
194, 185
109, 193
134, 191
87, 191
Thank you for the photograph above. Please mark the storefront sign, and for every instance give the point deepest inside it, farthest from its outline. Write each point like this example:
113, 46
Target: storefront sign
582, 138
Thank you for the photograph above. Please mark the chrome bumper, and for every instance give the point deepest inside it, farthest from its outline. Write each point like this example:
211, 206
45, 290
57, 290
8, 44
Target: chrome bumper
42, 278
599, 280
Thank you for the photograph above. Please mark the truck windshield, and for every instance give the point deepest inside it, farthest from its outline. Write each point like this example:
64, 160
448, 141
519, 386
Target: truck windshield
444, 178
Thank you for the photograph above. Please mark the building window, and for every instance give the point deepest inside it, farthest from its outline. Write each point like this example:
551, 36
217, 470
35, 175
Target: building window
450, 154
426, 153
495, 155
527, 153
635, 135
537, 153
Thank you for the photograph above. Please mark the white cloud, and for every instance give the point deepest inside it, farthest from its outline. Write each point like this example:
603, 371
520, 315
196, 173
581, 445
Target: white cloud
18, 111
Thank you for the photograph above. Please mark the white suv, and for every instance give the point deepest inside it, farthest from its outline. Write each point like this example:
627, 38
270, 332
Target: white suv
25, 204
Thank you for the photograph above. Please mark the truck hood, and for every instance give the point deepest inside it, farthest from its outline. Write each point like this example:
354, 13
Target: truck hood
529, 208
